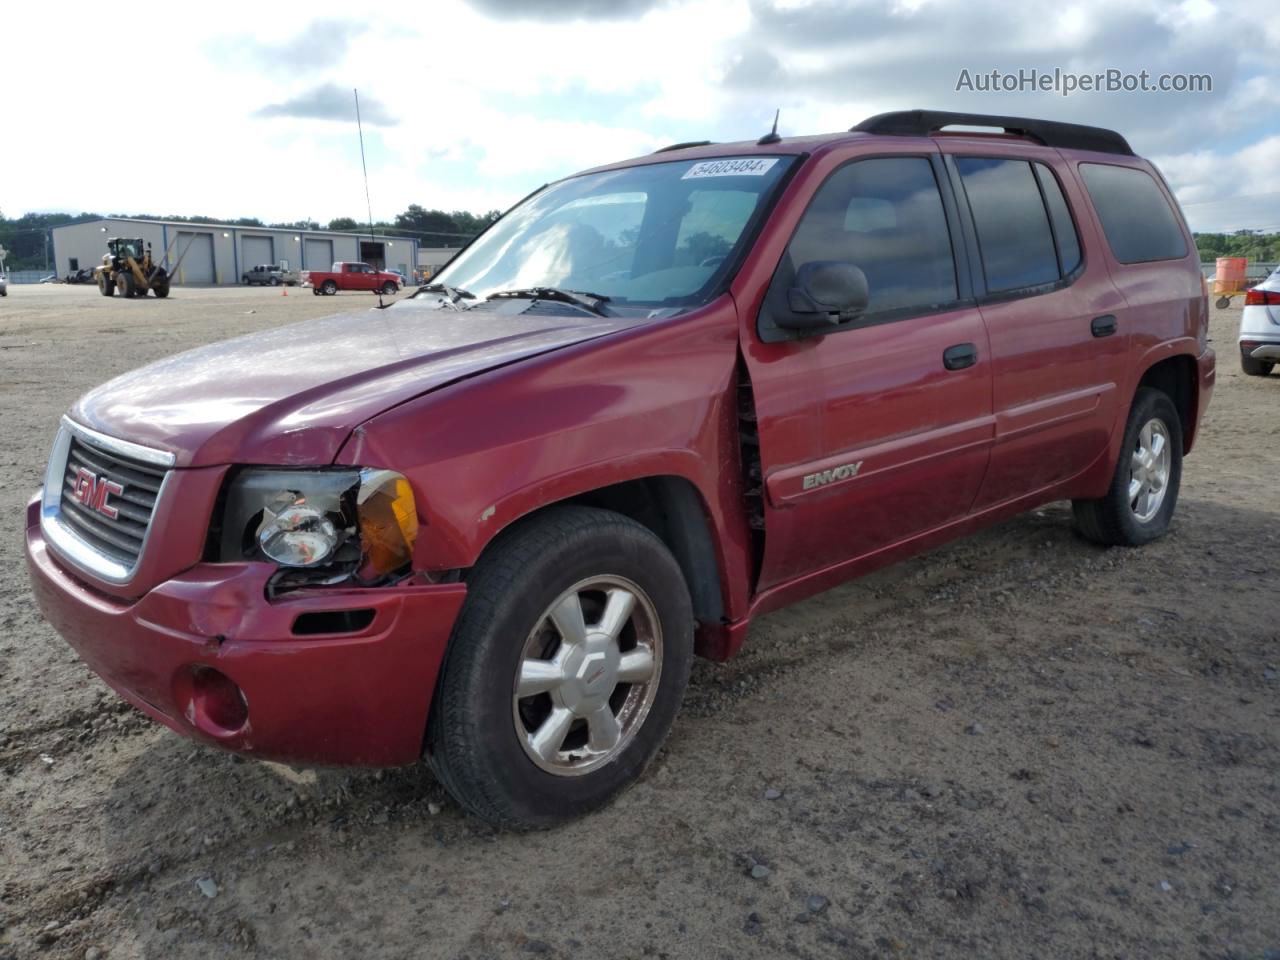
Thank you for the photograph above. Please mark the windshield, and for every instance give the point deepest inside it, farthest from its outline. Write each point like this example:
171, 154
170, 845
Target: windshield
663, 234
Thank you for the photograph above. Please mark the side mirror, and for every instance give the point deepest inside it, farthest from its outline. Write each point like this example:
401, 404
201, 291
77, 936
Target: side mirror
826, 292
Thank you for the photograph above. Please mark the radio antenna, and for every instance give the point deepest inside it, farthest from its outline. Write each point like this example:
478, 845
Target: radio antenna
364, 167
771, 137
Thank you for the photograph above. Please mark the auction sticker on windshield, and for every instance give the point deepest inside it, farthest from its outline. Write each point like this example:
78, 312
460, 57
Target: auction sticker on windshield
732, 167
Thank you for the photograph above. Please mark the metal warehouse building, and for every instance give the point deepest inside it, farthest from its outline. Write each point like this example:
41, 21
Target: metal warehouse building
222, 252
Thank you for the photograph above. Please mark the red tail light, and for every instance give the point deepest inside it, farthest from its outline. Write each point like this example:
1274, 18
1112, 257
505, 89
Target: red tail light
1262, 298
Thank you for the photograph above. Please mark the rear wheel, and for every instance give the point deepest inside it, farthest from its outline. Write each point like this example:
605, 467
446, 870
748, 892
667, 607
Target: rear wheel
565, 671
1256, 368
160, 288
106, 286
329, 288
1144, 489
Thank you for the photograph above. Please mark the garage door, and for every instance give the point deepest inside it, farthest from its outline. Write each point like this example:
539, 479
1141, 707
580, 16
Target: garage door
197, 265
317, 254
256, 250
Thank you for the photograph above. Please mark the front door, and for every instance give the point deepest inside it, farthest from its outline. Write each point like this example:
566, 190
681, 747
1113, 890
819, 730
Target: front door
879, 430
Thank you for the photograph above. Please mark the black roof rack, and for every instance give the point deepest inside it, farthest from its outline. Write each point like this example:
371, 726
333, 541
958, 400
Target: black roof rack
687, 143
924, 123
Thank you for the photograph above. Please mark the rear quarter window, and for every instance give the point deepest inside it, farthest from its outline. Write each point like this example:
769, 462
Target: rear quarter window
1139, 224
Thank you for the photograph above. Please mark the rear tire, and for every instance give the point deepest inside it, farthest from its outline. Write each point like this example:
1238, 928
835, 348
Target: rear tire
106, 285
1256, 368
539, 758
329, 288
1122, 517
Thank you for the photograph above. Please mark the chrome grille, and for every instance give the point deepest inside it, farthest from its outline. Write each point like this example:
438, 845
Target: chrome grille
105, 537
119, 538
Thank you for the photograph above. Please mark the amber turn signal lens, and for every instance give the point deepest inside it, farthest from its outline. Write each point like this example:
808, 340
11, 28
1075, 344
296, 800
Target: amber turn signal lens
388, 521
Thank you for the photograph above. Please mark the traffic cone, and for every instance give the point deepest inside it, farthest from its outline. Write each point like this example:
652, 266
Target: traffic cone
284, 289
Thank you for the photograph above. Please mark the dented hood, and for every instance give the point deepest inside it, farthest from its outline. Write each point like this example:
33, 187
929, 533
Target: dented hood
292, 395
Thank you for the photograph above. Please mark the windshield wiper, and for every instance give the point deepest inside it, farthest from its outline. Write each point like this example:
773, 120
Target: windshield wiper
454, 294
580, 298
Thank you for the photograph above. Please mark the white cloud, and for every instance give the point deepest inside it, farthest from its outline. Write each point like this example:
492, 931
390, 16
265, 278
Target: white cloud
486, 107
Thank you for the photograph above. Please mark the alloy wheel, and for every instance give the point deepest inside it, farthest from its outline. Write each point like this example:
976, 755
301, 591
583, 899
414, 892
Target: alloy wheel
587, 676
1149, 470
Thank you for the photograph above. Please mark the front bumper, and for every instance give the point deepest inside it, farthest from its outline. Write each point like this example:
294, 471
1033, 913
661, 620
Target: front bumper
358, 697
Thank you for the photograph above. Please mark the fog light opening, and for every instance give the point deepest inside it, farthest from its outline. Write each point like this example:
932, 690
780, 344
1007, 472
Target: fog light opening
211, 701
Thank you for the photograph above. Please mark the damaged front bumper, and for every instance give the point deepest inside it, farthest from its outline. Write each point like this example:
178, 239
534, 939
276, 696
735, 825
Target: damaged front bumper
324, 676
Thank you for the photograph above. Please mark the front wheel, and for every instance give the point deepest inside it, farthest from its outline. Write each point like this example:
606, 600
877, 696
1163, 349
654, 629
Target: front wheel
124, 284
1255, 368
1144, 488
106, 286
565, 670
388, 288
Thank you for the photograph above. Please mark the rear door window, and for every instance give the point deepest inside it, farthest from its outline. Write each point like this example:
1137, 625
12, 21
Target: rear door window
1139, 223
1014, 236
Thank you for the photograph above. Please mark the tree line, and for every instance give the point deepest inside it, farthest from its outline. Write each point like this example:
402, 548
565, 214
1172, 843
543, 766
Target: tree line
1253, 244
26, 237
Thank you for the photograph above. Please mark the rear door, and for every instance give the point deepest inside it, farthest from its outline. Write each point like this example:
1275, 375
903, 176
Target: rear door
1058, 344
879, 430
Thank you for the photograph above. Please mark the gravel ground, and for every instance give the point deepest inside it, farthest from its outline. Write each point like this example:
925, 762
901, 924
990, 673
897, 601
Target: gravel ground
1016, 746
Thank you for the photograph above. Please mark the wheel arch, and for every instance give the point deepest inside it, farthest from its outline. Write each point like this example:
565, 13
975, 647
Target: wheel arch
1178, 378
674, 510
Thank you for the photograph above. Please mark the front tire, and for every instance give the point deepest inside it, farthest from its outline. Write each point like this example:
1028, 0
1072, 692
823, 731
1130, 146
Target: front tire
124, 284
565, 670
388, 289
1256, 368
106, 286
1144, 488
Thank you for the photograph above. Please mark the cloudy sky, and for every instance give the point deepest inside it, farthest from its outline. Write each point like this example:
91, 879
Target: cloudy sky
236, 109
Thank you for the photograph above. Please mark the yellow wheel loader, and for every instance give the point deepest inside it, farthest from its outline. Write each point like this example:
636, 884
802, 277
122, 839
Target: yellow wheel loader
127, 269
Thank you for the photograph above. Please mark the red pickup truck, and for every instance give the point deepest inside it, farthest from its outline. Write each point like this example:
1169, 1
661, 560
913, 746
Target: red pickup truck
655, 401
350, 276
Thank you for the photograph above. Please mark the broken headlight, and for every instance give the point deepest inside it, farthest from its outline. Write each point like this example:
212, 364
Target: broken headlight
337, 523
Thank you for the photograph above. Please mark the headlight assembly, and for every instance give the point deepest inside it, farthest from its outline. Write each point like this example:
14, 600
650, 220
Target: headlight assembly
334, 523
295, 535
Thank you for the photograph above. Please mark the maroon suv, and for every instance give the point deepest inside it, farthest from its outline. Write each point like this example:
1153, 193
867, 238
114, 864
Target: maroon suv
493, 523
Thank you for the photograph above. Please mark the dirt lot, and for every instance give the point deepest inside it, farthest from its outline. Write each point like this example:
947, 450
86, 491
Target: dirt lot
1017, 746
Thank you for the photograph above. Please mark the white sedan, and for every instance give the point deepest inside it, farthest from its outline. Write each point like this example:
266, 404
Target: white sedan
1260, 327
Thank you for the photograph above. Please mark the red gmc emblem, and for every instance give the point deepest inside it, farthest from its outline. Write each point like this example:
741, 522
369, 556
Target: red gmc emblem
93, 491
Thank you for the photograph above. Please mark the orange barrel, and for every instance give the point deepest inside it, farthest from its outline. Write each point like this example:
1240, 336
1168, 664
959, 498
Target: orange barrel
1229, 275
